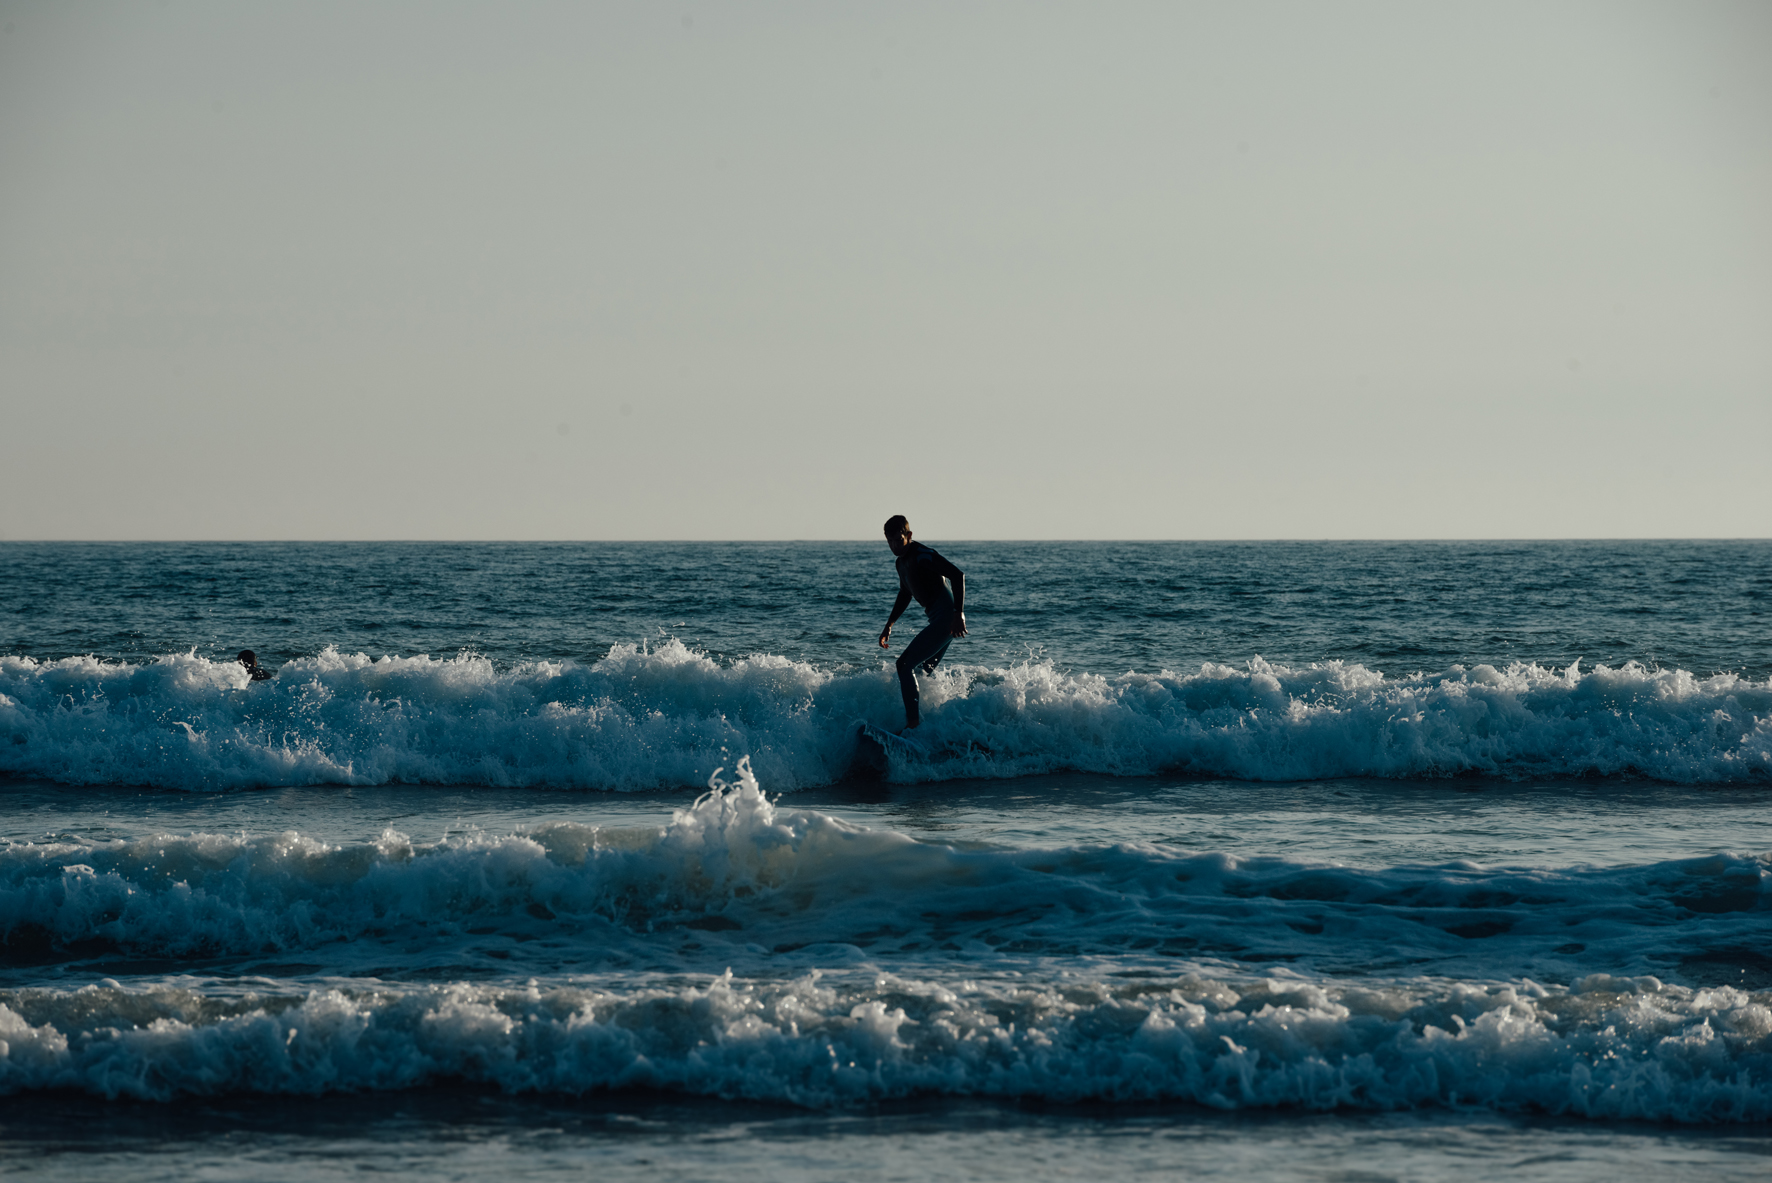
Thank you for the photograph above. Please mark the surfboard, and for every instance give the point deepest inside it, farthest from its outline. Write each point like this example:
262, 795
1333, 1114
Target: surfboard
896, 745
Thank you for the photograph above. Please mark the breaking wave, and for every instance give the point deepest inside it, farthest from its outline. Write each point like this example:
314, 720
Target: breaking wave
1605, 1048
744, 881
666, 717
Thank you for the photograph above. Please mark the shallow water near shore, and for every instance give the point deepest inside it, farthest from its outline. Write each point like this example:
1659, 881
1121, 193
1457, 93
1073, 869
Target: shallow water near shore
460, 1134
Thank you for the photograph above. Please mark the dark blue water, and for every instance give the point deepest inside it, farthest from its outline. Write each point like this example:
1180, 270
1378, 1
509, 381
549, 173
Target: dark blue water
1104, 607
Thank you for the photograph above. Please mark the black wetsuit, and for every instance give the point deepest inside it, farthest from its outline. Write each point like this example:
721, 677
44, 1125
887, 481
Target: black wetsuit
920, 574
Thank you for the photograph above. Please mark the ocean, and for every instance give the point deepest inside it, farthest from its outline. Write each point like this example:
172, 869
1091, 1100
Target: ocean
1284, 860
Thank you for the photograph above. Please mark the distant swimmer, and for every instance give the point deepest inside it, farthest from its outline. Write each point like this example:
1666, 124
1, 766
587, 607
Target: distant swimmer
249, 659
921, 574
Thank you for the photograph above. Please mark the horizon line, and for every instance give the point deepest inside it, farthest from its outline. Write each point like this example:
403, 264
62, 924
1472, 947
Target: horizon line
765, 541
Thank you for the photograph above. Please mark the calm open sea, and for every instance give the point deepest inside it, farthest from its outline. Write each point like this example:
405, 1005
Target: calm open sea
1284, 860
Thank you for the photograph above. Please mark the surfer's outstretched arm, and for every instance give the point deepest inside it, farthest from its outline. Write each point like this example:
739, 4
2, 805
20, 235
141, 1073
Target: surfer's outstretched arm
898, 607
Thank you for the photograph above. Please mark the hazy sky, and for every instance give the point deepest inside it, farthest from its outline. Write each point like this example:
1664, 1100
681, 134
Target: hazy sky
756, 270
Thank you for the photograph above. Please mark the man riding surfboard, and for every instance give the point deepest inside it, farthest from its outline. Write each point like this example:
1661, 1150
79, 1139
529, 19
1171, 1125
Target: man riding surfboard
925, 575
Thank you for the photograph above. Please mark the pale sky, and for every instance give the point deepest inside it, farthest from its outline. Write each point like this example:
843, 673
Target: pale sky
758, 270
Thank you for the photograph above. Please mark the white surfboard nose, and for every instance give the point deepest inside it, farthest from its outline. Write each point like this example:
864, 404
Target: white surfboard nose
889, 742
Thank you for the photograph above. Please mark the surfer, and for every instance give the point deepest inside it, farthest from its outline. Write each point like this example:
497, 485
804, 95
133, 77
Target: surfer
249, 659
921, 574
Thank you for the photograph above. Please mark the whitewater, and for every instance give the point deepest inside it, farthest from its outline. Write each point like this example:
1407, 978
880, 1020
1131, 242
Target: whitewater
663, 717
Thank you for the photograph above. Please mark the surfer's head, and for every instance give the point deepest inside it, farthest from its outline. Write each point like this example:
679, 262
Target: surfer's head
898, 532
248, 658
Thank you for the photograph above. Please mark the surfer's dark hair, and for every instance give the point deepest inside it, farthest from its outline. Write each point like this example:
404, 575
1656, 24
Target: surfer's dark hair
897, 524
247, 658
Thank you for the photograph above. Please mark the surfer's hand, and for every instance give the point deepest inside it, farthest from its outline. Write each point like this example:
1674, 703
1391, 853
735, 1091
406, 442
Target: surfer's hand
885, 636
959, 629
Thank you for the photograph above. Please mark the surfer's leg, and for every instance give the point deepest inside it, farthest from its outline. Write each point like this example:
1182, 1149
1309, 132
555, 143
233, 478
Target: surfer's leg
907, 688
931, 642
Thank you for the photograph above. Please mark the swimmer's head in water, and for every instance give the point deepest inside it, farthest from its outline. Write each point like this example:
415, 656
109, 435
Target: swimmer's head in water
248, 658
898, 532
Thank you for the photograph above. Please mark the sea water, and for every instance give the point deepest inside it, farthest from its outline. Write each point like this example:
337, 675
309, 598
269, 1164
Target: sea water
1393, 860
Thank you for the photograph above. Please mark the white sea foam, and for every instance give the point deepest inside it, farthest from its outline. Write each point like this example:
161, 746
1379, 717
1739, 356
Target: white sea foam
668, 716
1611, 1048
